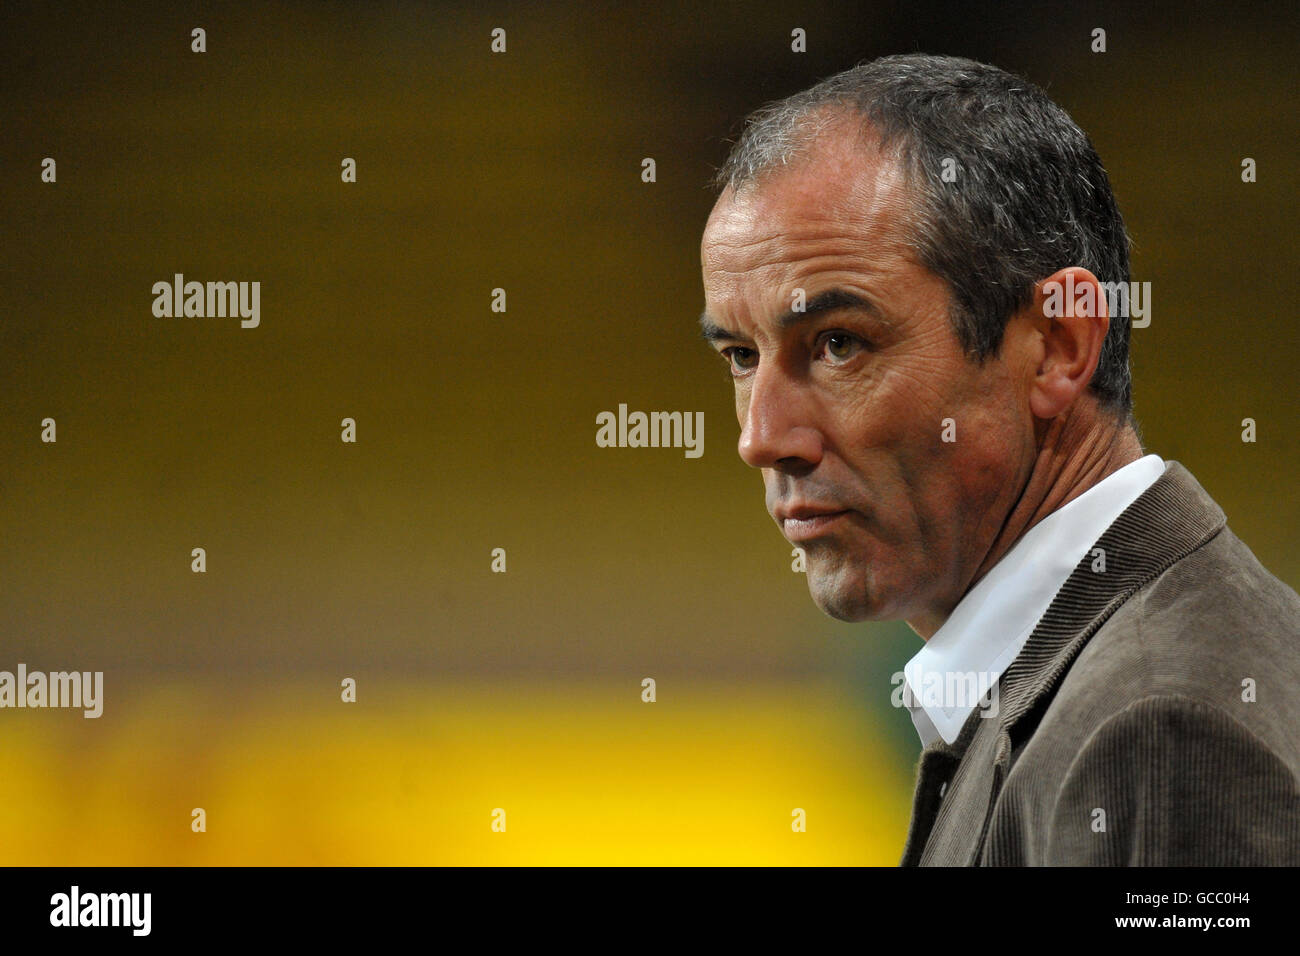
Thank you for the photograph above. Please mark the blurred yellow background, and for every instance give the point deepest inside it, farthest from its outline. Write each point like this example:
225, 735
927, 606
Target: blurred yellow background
476, 429
585, 775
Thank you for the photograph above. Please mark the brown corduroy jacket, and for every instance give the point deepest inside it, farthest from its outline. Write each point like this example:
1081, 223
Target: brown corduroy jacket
1152, 717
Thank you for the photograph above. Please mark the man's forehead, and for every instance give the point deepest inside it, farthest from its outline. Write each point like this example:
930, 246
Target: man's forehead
833, 188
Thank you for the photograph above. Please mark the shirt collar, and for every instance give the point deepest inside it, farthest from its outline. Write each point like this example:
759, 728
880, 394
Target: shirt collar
961, 663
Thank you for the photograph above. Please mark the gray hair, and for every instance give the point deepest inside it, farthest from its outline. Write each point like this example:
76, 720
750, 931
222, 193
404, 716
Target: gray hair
1030, 196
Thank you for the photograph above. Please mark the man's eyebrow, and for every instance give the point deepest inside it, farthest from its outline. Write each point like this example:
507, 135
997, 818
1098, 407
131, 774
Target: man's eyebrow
827, 301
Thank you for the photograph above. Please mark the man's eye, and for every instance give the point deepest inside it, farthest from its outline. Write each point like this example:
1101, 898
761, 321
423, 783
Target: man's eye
842, 345
741, 359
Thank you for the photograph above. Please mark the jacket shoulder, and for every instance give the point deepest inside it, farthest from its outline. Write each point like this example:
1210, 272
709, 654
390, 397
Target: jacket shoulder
1170, 781
1216, 628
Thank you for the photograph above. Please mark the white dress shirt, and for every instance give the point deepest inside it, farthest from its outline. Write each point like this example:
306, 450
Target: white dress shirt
994, 619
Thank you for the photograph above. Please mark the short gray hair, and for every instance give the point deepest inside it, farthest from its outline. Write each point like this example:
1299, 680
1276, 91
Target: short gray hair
1031, 195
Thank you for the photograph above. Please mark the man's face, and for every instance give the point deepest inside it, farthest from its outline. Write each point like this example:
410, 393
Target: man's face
843, 408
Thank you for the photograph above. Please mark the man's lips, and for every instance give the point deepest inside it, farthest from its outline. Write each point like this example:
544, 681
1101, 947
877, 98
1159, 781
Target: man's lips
800, 522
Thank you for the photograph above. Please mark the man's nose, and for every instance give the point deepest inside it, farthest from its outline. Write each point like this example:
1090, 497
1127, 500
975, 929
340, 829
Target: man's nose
777, 427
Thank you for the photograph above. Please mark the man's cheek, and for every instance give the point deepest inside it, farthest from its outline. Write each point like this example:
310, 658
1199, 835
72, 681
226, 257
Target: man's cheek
742, 403
771, 488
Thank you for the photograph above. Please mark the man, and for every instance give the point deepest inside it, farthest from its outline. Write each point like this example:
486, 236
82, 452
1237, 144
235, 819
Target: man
883, 272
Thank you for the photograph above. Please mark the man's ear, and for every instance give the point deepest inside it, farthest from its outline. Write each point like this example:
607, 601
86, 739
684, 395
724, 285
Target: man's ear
1071, 313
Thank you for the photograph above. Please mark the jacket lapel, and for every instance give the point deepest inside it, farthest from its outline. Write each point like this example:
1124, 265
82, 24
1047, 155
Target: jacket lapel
1167, 522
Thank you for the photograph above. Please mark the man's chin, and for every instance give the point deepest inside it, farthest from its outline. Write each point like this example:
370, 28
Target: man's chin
845, 602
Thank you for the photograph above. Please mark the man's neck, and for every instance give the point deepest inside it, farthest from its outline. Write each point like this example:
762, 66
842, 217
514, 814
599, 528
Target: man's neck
1075, 452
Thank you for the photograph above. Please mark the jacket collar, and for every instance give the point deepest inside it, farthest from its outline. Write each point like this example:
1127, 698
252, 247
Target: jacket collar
1165, 523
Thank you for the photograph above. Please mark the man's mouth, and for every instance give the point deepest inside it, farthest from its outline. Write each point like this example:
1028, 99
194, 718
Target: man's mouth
807, 521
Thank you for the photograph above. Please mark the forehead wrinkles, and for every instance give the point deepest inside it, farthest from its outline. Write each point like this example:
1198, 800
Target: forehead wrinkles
817, 208
749, 240
780, 252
